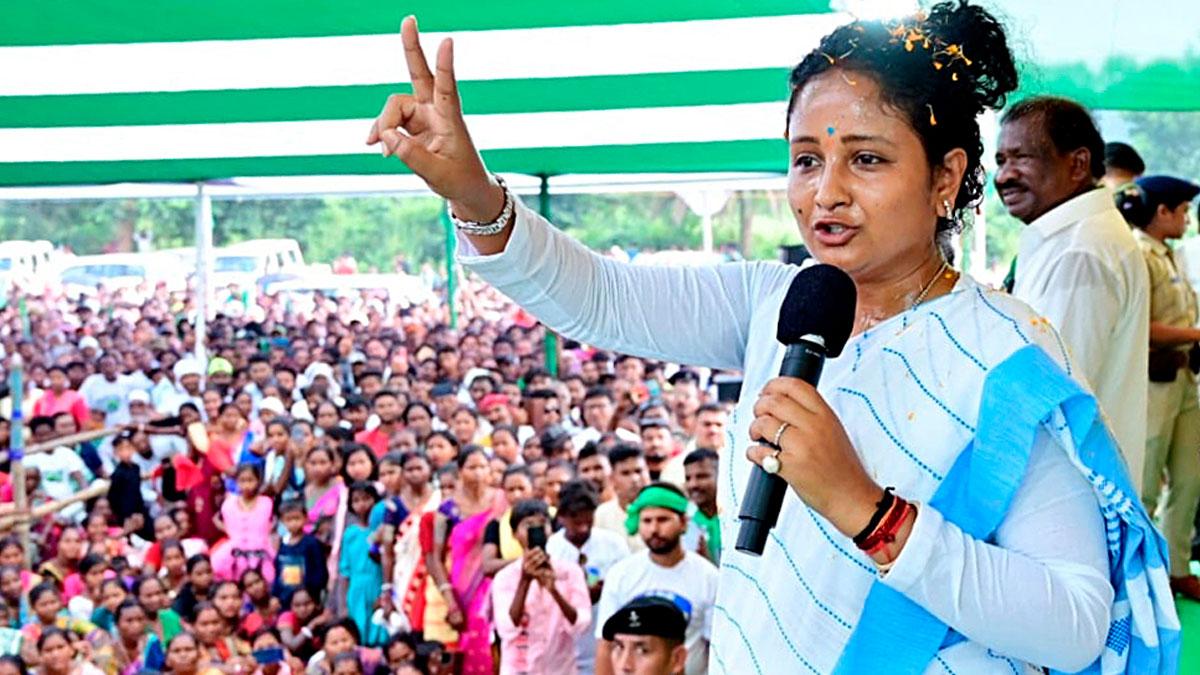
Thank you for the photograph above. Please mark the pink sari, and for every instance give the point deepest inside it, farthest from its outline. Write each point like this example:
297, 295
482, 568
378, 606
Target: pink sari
333, 505
465, 546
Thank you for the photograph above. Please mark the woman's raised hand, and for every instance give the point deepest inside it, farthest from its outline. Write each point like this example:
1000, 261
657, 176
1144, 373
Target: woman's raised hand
427, 132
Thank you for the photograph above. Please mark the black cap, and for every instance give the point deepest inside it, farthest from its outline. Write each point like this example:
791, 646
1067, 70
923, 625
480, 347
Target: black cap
443, 389
1167, 190
648, 615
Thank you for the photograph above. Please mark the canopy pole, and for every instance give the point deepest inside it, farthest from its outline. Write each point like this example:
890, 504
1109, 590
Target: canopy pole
552, 344
204, 242
451, 277
16, 453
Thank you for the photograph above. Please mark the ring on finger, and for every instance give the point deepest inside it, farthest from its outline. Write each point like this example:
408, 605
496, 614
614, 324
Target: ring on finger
779, 433
771, 463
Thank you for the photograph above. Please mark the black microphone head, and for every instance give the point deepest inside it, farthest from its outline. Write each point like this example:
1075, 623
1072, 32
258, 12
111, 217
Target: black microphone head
820, 301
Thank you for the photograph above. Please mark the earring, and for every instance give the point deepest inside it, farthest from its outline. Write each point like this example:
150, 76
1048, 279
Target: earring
949, 209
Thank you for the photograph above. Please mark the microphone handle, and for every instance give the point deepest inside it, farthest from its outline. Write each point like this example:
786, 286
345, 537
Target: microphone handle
765, 492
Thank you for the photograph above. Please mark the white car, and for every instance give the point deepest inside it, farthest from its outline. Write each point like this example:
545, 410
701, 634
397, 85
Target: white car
399, 290
83, 274
244, 264
27, 263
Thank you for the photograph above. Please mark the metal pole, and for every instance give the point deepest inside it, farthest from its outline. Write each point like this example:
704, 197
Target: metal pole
451, 277
552, 344
23, 308
204, 241
16, 452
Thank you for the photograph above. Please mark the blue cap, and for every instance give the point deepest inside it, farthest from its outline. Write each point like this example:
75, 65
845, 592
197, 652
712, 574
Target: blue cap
1167, 190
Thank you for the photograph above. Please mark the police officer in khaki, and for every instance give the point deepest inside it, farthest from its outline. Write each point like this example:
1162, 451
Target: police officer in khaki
1157, 207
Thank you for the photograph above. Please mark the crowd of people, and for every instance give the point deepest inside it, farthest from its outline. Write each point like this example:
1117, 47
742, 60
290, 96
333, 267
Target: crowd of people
359, 489
362, 488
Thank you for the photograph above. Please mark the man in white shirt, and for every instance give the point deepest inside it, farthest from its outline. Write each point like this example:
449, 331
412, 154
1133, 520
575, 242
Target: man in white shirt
629, 476
595, 550
61, 469
107, 391
711, 421
1077, 263
665, 569
598, 410
189, 376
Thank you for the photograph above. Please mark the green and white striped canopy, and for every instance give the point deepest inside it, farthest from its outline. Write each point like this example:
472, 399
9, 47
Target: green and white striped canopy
102, 91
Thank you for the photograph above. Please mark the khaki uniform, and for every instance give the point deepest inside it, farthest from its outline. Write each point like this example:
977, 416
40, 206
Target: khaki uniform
1173, 420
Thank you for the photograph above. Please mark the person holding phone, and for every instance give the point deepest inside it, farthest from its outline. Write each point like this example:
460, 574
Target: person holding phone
541, 605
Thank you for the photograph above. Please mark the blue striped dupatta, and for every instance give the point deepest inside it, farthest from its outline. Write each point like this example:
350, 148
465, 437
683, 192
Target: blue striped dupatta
895, 635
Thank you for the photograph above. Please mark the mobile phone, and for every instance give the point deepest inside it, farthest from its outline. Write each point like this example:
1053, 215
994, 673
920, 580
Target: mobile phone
537, 537
268, 656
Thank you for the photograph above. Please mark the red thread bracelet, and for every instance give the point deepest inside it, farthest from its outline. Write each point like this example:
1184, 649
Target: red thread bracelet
888, 528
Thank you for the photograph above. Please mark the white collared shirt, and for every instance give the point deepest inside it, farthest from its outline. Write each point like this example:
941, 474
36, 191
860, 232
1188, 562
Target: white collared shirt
1080, 267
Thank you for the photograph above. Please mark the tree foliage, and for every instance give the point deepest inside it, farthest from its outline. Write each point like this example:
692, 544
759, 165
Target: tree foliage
375, 229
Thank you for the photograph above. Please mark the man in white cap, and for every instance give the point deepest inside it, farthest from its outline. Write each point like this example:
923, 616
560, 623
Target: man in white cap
151, 448
89, 348
269, 408
189, 385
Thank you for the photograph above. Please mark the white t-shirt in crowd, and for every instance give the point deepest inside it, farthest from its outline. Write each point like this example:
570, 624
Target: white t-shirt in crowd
56, 468
592, 434
611, 517
599, 553
111, 397
691, 583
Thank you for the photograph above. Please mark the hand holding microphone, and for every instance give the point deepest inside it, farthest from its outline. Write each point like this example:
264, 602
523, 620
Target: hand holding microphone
814, 455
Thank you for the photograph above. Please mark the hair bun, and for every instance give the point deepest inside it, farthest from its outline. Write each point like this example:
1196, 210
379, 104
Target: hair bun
974, 48
1131, 201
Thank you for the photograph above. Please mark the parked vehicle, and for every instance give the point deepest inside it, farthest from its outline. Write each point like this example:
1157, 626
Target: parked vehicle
25, 263
399, 290
245, 263
83, 274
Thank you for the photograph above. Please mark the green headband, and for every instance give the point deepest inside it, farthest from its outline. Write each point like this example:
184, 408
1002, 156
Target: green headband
657, 497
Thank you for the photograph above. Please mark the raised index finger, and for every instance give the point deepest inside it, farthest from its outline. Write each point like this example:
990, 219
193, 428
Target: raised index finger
418, 67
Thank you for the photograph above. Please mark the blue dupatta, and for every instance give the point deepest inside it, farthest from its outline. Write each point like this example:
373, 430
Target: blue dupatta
895, 635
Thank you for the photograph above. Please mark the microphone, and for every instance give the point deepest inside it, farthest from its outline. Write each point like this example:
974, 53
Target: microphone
815, 322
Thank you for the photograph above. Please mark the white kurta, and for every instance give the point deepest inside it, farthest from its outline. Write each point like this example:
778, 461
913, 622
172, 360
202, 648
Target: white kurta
907, 392
1079, 266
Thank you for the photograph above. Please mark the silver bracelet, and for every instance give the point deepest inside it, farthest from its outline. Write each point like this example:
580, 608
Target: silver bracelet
477, 229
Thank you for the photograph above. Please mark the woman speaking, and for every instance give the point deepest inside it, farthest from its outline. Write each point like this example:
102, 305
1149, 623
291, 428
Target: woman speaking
956, 502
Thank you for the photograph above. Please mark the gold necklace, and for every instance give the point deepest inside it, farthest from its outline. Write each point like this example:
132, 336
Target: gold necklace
929, 286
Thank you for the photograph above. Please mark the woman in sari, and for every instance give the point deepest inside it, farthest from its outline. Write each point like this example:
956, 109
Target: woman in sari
456, 599
136, 648
407, 561
65, 563
324, 495
46, 614
1010, 536
229, 438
